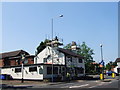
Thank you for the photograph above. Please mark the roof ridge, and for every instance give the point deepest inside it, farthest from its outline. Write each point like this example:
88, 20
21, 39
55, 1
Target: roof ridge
12, 51
70, 52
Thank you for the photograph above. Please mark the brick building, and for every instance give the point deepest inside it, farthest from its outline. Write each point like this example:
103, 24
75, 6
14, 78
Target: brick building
14, 58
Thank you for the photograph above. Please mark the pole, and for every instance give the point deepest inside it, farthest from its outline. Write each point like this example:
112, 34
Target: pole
22, 58
102, 60
52, 45
52, 48
101, 53
22, 73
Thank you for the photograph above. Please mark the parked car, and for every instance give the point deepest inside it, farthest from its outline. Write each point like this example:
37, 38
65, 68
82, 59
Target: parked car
5, 77
109, 73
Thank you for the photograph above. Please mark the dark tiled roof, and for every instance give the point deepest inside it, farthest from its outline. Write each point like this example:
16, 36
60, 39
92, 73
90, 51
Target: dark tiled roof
69, 52
12, 54
118, 60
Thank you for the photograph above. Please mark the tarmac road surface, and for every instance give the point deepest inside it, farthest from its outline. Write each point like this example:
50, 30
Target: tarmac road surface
107, 83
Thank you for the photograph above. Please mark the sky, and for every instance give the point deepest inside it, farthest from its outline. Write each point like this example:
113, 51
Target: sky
26, 24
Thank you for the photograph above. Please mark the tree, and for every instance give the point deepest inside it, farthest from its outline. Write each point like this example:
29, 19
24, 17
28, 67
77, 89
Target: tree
68, 46
42, 46
111, 65
87, 53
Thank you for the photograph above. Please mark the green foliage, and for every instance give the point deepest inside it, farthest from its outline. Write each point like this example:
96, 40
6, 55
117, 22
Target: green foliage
111, 65
42, 46
68, 46
87, 53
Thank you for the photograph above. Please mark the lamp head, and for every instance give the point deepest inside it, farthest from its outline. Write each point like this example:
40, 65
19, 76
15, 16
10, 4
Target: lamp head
101, 45
61, 16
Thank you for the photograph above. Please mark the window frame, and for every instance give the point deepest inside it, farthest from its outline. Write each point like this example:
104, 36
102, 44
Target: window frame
31, 69
18, 70
49, 70
40, 70
44, 60
80, 60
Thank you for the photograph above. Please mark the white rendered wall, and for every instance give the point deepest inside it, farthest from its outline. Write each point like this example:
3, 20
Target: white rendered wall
48, 51
115, 69
27, 75
118, 63
75, 63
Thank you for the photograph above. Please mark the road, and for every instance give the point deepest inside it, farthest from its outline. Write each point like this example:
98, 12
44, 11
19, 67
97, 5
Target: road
107, 83
112, 84
83, 84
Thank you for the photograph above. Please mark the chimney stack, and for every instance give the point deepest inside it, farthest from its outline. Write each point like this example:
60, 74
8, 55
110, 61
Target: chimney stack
74, 47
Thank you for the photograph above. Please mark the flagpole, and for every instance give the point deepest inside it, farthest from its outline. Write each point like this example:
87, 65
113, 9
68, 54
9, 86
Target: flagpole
52, 47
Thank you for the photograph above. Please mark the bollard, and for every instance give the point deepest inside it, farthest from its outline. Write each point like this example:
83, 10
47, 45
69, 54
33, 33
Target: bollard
101, 76
113, 75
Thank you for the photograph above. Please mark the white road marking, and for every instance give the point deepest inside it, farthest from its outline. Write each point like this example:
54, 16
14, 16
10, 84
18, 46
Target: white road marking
79, 86
92, 86
98, 85
96, 81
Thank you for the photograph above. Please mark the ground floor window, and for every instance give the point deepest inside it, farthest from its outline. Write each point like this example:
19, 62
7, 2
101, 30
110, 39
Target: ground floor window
55, 70
40, 71
32, 69
59, 70
79, 70
63, 71
17, 70
118, 70
49, 70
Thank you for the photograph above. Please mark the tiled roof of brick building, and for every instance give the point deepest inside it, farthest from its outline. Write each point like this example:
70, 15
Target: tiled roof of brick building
118, 60
12, 54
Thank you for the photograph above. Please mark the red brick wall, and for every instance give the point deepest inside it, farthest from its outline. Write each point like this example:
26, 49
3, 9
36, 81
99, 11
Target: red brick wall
1, 62
12, 62
31, 60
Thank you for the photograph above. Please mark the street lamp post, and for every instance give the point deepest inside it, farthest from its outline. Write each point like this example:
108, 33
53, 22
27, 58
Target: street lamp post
102, 60
52, 44
52, 48
22, 73
22, 58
